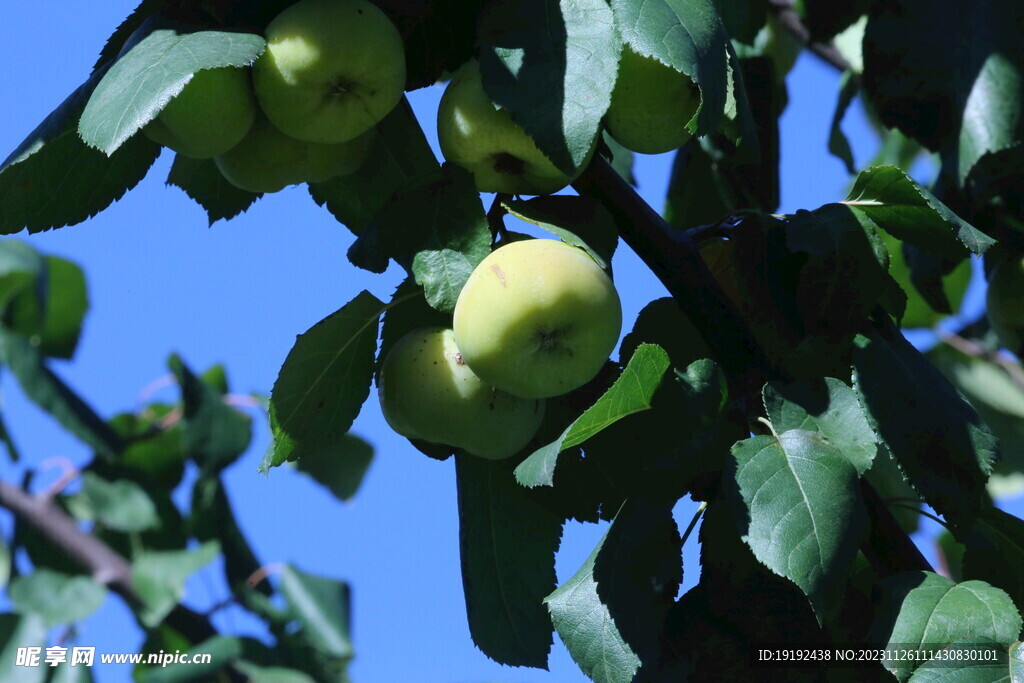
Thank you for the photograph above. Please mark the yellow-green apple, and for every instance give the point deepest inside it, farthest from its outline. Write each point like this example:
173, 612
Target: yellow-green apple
428, 392
1005, 299
483, 139
651, 105
537, 318
267, 160
209, 116
332, 69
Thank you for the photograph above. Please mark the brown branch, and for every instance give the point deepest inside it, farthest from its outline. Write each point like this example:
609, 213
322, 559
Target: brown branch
104, 564
974, 350
791, 21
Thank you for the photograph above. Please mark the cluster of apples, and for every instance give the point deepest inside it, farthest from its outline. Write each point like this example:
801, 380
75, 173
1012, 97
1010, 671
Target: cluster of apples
651, 106
305, 111
536, 318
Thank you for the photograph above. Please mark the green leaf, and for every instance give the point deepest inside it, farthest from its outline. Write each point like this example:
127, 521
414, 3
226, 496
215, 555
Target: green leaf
838, 144
153, 454
341, 469
698, 194
323, 607
53, 160
994, 552
827, 406
66, 673
158, 578
5, 563
845, 275
579, 221
222, 650
965, 100
67, 301
631, 393
688, 36
799, 510
899, 205
996, 396
937, 438
203, 182
213, 433
933, 611
743, 19
272, 674
932, 290
212, 519
663, 322
825, 19
552, 65
17, 631
450, 238
50, 393
324, 381
407, 311
22, 276
57, 598
399, 156
156, 68
119, 505
609, 613
507, 539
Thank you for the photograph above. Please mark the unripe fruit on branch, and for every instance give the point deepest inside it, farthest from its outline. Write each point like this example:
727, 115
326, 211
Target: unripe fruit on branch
485, 140
537, 318
428, 392
331, 71
212, 114
267, 160
651, 105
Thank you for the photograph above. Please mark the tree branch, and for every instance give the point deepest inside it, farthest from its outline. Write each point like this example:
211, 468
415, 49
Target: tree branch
104, 564
791, 21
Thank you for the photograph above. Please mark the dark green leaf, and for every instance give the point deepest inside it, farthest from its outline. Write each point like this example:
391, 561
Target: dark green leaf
743, 19
933, 611
67, 301
56, 598
323, 608
5, 563
932, 290
158, 578
579, 221
800, 511
324, 381
203, 182
47, 391
688, 36
610, 613
222, 651
156, 68
621, 158
153, 454
937, 438
663, 322
508, 541
22, 276
66, 673
995, 552
825, 18
552, 65
826, 406
213, 433
17, 631
407, 311
450, 237
951, 556
697, 192
53, 160
272, 674
631, 393
964, 100
838, 144
904, 209
400, 155
119, 505
213, 519
341, 469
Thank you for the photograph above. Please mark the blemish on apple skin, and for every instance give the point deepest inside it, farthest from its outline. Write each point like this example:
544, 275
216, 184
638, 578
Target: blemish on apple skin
501, 276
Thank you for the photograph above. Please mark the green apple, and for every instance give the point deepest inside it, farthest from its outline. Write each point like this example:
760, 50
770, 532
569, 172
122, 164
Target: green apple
428, 392
537, 318
209, 116
483, 139
651, 105
1005, 299
331, 71
267, 160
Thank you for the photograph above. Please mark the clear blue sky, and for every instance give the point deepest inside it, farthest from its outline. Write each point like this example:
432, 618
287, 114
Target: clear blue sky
238, 293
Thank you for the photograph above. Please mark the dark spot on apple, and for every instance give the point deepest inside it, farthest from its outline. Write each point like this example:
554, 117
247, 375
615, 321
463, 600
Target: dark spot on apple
457, 357
342, 88
509, 163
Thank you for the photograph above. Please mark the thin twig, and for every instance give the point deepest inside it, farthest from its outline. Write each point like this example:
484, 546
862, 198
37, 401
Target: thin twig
791, 21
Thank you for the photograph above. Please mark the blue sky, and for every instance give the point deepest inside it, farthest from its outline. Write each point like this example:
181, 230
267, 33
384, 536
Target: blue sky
238, 293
